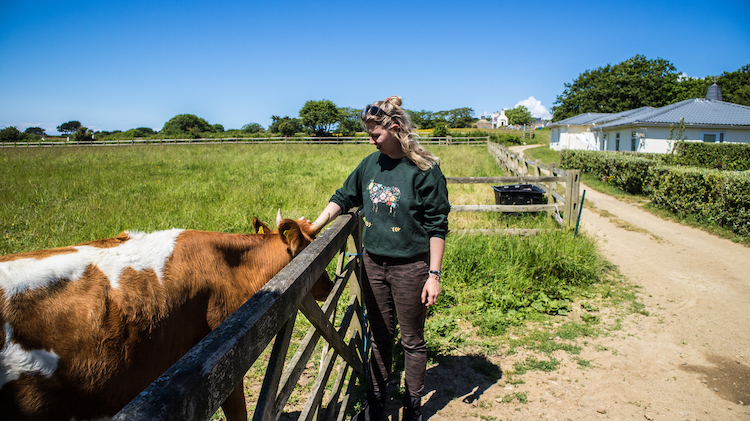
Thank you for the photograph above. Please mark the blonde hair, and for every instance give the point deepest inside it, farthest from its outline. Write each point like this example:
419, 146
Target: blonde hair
392, 113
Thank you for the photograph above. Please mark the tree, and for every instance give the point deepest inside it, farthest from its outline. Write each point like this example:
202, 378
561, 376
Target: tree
252, 128
349, 121
10, 134
83, 134
423, 119
146, 131
134, 133
36, 131
735, 86
689, 87
319, 116
69, 127
186, 125
519, 115
634, 83
460, 117
287, 126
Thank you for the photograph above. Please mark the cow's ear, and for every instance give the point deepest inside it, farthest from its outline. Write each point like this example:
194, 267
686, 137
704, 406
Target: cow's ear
292, 236
260, 227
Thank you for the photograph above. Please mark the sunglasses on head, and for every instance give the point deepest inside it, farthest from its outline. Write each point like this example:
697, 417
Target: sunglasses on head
373, 110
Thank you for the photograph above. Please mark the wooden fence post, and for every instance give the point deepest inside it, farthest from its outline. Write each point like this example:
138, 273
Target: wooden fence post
572, 187
576, 192
568, 198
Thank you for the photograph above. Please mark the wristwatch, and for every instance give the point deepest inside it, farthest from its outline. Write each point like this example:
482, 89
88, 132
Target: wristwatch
437, 273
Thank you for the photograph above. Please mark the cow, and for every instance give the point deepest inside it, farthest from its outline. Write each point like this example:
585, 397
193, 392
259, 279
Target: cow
84, 329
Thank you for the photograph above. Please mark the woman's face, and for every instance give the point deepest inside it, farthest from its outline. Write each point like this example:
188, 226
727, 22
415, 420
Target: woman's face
384, 138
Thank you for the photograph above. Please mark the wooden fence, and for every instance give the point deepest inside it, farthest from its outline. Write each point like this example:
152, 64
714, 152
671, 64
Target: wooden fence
448, 140
195, 386
549, 178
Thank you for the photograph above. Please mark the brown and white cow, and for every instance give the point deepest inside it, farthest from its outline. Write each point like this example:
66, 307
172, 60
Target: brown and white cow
83, 329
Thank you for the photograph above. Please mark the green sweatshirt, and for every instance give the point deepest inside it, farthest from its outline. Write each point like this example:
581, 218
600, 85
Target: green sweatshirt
403, 206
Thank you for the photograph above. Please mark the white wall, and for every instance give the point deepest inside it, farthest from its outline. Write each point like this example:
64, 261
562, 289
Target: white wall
656, 138
572, 137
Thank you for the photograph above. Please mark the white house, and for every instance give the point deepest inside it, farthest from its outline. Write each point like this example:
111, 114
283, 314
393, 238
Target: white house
499, 119
577, 132
650, 129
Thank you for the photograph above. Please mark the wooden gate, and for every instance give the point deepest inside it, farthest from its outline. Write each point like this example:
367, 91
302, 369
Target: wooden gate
195, 386
559, 200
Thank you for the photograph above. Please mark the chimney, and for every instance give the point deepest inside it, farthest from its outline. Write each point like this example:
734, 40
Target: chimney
714, 93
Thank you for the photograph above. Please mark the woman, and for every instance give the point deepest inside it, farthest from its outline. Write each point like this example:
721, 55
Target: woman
406, 207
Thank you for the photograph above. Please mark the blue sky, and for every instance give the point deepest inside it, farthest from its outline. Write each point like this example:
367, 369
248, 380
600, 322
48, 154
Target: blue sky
127, 64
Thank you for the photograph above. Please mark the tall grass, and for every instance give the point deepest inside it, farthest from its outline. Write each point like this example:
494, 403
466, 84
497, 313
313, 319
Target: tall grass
499, 281
60, 196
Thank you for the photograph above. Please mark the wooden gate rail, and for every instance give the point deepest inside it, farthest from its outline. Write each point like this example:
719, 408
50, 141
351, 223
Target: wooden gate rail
195, 386
531, 172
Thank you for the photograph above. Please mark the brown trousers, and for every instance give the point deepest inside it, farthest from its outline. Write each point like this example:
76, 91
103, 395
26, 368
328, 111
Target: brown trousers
392, 288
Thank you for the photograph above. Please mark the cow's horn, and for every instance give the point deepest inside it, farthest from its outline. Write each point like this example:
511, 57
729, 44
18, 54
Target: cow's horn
278, 217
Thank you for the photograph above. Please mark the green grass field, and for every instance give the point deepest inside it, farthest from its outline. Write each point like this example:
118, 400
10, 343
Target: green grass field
53, 197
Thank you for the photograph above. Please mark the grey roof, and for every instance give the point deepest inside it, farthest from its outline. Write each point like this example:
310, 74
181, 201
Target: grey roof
696, 111
594, 119
580, 119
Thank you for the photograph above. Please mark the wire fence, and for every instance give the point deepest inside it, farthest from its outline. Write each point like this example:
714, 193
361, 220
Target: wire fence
448, 140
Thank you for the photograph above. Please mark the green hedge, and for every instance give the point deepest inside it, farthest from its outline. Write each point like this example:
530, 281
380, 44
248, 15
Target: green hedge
720, 156
711, 196
625, 171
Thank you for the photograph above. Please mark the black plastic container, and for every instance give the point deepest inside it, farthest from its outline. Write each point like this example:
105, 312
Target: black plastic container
519, 194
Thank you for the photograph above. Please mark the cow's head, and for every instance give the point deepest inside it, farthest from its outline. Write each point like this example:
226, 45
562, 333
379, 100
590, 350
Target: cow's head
297, 234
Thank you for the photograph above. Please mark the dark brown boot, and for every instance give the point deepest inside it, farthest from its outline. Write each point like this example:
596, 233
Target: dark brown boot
412, 408
374, 408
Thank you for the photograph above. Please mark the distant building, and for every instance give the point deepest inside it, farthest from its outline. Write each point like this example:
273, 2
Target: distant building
484, 124
499, 119
647, 129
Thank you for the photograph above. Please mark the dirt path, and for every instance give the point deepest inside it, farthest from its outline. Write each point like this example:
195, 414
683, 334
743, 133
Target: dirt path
688, 359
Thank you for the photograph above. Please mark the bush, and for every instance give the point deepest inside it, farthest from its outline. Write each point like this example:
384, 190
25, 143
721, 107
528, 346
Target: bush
720, 156
186, 125
83, 134
625, 171
441, 130
10, 134
252, 128
711, 196
506, 139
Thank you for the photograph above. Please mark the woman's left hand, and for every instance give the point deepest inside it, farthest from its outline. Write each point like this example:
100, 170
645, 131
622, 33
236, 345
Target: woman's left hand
431, 290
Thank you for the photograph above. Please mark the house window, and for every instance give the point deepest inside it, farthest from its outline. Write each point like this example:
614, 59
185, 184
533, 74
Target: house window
617, 142
712, 137
633, 141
